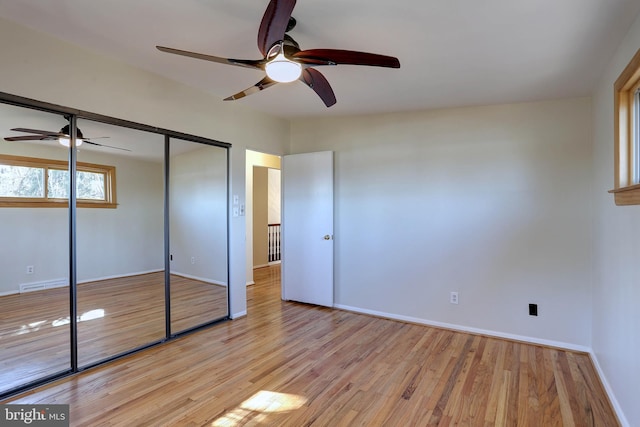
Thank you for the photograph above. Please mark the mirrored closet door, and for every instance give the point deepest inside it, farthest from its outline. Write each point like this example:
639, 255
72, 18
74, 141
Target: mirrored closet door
120, 240
198, 234
110, 242
34, 250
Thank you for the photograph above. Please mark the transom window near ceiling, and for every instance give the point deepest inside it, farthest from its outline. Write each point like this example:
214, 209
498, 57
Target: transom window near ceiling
35, 182
627, 135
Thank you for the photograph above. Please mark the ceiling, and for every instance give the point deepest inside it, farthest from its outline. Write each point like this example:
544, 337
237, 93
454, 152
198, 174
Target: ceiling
452, 52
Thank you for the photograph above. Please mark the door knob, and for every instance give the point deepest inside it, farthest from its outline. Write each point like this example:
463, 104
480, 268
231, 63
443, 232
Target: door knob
327, 237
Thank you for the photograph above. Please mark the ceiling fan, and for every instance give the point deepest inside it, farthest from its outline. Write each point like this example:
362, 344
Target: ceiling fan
283, 60
62, 137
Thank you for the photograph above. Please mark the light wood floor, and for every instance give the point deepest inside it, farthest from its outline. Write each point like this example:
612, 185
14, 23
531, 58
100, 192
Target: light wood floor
116, 315
297, 365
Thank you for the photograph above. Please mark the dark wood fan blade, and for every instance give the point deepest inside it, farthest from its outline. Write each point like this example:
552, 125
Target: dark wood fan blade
30, 138
86, 141
347, 57
248, 63
274, 23
261, 85
40, 132
316, 81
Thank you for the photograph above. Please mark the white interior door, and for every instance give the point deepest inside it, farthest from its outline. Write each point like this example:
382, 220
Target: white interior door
307, 228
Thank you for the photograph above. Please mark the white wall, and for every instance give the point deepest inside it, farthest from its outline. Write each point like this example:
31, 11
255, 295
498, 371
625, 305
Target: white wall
274, 196
198, 215
22, 232
129, 239
616, 317
492, 202
40, 67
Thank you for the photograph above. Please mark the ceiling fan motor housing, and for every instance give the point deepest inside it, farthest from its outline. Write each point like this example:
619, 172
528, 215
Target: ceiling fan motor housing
67, 131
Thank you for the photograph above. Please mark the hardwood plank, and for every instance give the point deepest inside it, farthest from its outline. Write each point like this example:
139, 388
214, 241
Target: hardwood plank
563, 394
495, 389
296, 365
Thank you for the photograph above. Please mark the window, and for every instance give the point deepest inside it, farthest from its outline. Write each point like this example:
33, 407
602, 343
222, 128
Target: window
627, 135
33, 182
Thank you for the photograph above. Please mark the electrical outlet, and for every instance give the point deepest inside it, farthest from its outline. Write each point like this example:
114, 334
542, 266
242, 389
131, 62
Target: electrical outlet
533, 309
30, 269
193, 260
453, 298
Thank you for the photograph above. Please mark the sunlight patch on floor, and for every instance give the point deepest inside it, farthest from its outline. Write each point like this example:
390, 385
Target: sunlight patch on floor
35, 326
258, 407
89, 315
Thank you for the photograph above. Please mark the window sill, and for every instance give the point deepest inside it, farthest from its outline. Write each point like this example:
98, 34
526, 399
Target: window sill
626, 196
49, 204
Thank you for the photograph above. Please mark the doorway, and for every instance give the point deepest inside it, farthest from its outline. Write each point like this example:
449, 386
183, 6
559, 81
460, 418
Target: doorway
262, 209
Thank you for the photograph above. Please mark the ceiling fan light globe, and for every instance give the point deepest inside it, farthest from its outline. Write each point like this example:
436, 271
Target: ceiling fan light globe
281, 70
65, 141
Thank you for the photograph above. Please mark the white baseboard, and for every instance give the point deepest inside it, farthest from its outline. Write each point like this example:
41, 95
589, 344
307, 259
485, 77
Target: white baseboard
57, 283
269, 264
202, 279
250, 283
514, 337
238, 315
118, 276
41, 286
612, 397
48, 284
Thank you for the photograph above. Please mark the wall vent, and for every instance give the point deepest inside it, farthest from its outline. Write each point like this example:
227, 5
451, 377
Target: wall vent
40, 286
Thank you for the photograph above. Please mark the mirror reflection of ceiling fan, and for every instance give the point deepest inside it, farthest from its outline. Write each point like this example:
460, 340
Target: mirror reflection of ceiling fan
283, 60
62, 137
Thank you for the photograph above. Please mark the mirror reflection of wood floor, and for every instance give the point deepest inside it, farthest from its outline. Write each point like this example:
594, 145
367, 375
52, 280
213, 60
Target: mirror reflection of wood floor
115, 316
294, 364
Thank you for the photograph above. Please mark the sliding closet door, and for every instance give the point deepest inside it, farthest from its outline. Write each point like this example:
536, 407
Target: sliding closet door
198, 234
120, 241
34, 248
139, 256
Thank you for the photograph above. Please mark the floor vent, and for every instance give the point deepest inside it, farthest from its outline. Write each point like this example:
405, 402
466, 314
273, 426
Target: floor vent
40, 286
